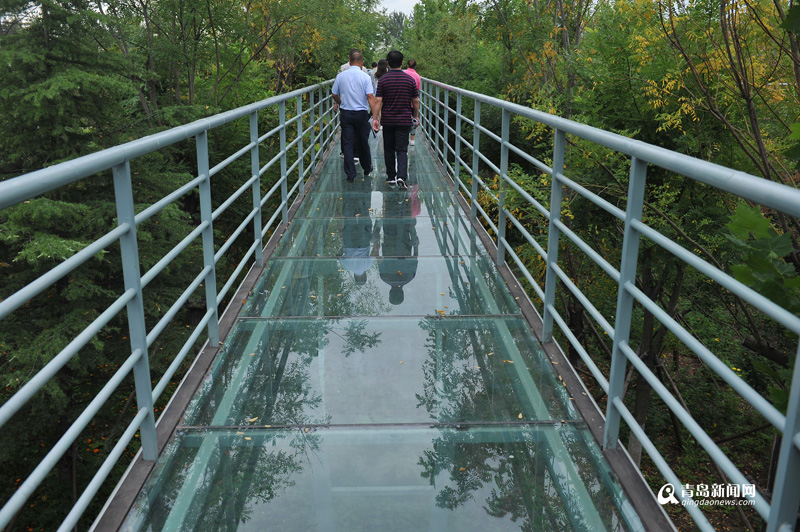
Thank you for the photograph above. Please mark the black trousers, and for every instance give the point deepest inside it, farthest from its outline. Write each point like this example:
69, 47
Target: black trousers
395, 144
355, 141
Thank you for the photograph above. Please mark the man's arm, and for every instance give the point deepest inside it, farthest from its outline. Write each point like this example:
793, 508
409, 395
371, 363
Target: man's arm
376, 103
415, 108
337, 102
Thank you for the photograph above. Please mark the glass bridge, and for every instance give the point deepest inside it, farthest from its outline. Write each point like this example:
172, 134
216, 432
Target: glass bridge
380, 376
381, 370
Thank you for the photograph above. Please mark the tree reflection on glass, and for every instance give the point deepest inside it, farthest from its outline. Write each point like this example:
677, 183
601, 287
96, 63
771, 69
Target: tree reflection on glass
516, 468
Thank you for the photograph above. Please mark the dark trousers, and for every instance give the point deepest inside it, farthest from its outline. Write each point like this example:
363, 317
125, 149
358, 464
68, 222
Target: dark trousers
395, 144
355, 141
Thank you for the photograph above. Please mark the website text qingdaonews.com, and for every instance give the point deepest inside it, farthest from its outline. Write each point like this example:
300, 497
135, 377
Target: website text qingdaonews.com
718, 502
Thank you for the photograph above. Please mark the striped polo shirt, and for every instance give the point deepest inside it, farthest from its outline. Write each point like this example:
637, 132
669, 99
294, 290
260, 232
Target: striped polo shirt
397, 89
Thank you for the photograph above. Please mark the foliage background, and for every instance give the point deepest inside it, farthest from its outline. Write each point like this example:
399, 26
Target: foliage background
714, 79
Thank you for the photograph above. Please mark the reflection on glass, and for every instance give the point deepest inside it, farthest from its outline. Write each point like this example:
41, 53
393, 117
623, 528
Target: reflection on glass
477, 479
357, 235
400, 244
346, 371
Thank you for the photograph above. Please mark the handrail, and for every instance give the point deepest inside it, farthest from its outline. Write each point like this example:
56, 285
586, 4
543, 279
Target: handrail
436, 113
315, 125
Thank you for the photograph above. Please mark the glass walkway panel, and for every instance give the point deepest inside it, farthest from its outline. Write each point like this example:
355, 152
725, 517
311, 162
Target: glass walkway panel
381, 377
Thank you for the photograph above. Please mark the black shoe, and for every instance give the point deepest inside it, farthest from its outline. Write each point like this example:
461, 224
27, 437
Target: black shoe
391, 181
351, 179
401, 183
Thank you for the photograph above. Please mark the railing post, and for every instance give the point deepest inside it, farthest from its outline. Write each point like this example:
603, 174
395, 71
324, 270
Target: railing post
313, 122
501, 200
438, 123
429, 109
206, 213
445, 141
301, 188
476, 148
137, 330
457, 157
625, 301
556, 190
284, 177
786, 491
255, 167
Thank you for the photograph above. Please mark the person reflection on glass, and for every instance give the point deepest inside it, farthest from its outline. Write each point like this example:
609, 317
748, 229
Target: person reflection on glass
400, 248
357, 233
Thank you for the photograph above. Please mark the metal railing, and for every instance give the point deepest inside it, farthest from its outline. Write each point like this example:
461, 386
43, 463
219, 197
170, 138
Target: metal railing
437, 113
316, 121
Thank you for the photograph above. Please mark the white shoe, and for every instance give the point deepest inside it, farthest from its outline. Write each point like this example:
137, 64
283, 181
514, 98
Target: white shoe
356, 159
411, 142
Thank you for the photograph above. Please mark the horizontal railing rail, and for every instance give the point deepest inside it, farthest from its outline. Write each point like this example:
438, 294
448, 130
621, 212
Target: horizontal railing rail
316, 123
437, 115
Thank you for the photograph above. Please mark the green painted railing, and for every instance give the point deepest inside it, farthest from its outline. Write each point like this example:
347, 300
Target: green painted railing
314, 119
438, 116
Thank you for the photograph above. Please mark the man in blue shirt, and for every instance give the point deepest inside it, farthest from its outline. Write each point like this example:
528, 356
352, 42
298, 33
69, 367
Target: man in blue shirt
353, 93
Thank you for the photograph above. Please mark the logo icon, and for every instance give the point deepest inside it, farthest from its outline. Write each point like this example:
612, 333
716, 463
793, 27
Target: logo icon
667, 494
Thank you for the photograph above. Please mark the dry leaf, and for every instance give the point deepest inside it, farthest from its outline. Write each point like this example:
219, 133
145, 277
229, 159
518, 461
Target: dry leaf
463, 469
252, 354
240, 433
252, 419
401, 362
508, 361
520, 415
441, 293
248, 438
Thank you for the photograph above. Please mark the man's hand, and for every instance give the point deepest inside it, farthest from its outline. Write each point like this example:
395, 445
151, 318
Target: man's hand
335, 107
376, 124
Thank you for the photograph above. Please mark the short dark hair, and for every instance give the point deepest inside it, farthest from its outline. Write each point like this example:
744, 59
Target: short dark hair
412, 63
395, 59
355, 55
374, 64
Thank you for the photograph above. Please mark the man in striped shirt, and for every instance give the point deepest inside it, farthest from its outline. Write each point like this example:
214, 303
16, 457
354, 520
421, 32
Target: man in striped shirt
397, 103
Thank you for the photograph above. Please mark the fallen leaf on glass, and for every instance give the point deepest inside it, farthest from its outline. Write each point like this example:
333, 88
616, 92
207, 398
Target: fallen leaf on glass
248, 438
252, 419
401, 362
339, 295
520, 415
508, 361
240, 433
490, 354
441, 293
252, 354
307, 429
463, 469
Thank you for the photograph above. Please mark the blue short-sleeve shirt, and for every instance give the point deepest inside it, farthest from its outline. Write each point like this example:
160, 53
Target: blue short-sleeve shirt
352, 86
